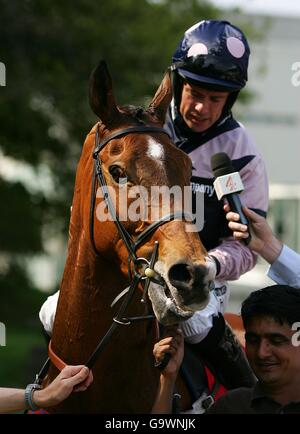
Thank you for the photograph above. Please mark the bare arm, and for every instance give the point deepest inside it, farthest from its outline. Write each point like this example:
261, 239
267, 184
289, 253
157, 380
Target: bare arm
174, 345
12, 400
71, 378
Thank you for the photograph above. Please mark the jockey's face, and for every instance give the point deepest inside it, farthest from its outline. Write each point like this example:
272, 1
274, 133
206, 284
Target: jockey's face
273, 355
201, 108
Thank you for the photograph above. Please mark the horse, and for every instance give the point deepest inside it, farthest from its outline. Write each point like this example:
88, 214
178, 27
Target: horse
161, 262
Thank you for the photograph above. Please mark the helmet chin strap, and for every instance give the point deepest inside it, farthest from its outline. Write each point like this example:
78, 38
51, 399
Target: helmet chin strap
177, 85
232, 97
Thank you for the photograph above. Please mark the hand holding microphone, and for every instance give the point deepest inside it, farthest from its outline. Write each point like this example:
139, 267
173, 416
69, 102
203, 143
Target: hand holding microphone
228, 184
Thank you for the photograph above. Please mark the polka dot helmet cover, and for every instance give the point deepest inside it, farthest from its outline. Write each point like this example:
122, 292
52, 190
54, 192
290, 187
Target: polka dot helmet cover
213, 52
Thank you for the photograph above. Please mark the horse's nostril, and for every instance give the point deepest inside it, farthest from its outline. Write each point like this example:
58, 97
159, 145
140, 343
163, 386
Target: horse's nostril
180, 273
186, 276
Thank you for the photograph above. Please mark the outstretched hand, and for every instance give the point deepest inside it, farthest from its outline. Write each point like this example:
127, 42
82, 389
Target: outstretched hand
71, 379
240, 231
262, 241
173, 344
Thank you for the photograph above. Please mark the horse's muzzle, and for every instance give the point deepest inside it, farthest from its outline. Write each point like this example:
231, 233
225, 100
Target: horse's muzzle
190, 282
186, 290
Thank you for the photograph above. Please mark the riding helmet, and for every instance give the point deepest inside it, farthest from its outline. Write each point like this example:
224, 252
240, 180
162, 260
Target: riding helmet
214, 55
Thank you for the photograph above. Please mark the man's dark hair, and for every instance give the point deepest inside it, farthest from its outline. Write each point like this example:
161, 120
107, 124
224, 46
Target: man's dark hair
281, 302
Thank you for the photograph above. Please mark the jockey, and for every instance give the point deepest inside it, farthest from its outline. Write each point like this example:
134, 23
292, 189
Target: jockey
209, 69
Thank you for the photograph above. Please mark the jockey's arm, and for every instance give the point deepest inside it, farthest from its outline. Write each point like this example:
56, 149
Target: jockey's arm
173, 344
48, 311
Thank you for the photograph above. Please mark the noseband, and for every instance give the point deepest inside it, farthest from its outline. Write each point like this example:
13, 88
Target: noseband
131, 245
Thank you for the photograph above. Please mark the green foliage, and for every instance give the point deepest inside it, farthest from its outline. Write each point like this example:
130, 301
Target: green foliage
22, 357
20, 303
20, 230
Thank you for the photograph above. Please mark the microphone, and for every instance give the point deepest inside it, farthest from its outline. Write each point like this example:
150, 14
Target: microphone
228, 184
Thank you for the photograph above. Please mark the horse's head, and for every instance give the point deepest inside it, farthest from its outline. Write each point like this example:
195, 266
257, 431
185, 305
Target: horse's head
147, 178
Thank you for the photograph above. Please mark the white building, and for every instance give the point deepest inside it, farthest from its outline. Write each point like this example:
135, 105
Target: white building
273, 118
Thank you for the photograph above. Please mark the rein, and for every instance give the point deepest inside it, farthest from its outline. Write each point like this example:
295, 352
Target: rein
131, 246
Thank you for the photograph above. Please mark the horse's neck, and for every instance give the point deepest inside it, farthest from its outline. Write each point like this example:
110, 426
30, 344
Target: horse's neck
87, 289
89, 285
125, 368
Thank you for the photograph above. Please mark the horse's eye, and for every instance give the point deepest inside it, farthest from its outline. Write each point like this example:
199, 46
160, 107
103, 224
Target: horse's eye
119, 175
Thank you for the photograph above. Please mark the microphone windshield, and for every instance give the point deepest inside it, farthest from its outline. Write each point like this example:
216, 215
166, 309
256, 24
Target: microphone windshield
221, 164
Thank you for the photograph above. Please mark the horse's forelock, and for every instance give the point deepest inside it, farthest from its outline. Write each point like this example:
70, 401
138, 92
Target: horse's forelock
139, 115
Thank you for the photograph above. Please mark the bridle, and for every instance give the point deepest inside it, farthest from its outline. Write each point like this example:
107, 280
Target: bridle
131, 245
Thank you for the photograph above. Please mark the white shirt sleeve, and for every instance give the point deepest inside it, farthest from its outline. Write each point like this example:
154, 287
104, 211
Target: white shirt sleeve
48, 311
196, 328
286, 269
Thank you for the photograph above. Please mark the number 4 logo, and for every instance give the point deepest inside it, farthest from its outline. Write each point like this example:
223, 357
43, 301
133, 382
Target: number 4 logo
230, 183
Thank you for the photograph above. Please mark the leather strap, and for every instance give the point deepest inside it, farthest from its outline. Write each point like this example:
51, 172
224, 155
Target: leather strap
57, 362
125, 131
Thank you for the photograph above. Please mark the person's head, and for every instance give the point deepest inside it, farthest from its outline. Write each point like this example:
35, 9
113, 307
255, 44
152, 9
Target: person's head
209, 69
272, 347
201, 108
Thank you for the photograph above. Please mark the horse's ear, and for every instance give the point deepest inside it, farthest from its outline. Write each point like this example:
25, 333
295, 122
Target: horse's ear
162, 98
101, 96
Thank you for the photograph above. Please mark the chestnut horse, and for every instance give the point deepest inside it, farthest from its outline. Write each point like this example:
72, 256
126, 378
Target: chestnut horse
126, 148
